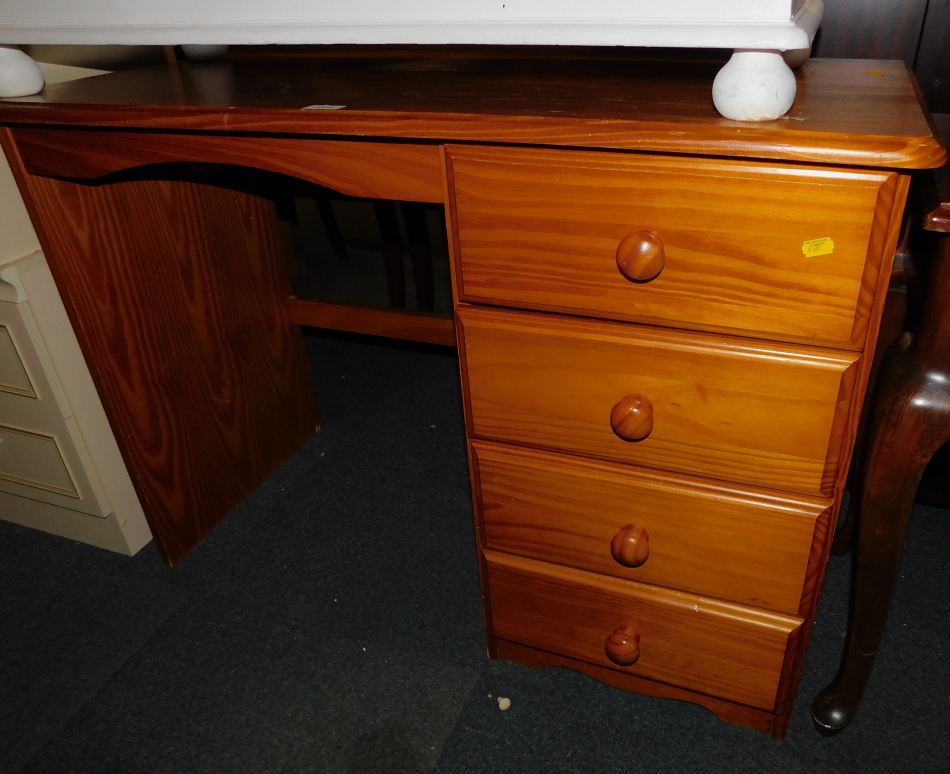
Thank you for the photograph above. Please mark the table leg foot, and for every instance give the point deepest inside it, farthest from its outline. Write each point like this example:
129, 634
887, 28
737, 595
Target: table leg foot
833, 709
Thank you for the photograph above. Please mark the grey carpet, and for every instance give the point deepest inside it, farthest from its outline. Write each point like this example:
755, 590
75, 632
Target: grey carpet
333, 624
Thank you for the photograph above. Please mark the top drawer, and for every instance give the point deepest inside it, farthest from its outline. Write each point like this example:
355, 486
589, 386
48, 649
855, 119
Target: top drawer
541, 229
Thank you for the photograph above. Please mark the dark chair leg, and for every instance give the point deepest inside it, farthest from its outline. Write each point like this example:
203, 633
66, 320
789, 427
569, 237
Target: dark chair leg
441, 213
910, 421
290, 234
883, 514
420, 253
893, 325
388, 222
844, 534
330, 225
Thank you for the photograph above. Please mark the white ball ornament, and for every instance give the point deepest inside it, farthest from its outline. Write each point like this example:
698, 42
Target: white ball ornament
20, 76
754, 86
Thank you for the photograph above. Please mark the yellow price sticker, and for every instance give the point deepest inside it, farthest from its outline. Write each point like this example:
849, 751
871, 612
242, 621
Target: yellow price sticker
813, 247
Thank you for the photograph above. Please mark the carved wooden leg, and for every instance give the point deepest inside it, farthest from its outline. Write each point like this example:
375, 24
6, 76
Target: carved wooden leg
890, 487
893, 325
911, 420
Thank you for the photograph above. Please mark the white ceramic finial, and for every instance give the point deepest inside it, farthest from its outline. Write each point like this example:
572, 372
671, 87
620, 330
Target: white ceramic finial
20, 76
754, 86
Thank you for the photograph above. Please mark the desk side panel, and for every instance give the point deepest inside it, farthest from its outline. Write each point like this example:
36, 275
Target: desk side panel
177, 293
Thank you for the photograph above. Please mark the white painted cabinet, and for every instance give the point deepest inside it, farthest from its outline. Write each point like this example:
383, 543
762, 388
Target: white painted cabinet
60, 466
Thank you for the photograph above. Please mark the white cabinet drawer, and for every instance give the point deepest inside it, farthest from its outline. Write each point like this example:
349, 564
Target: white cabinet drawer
42, 455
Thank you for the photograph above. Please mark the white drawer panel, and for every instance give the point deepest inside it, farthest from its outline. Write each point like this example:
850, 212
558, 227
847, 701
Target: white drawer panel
42, 453
34, 459
13, 375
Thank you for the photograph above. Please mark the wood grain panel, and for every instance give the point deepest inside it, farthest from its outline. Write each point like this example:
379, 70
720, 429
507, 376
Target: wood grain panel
177, 295
700, 644
730, 409
760, 720
863, 113
378, 170
540, 229
745, 545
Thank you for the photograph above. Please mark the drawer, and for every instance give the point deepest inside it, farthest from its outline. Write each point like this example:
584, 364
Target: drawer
733, 409
686, 640
35, 460
741, 544
14, 378
42, 453
541, 229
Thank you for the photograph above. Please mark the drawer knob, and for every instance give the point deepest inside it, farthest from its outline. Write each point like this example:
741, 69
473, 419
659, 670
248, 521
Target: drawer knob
631, 546
623, 646
640, 256
632, 417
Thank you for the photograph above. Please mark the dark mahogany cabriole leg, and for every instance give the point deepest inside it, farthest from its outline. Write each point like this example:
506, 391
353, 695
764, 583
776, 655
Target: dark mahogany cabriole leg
893, 325
910, 421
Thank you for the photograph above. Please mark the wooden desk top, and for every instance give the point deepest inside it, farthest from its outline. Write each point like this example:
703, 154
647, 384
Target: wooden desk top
852, 112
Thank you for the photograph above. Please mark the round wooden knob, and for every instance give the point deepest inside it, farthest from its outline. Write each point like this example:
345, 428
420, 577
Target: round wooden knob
640, 256
623, 646
631, 546
632, 417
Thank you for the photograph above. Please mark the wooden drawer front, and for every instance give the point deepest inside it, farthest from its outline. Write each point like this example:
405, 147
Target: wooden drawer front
718, 648
722, 541
727, 408
541, 229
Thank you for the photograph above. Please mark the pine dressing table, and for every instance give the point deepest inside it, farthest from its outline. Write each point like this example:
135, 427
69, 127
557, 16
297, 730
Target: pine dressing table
665, 321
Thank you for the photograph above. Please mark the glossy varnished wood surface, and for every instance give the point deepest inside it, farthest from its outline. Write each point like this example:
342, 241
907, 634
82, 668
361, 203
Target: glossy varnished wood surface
726, 408
425, 327
741, 544
847, 112
686, 640
177, 295
778, 415
760, 720
540, 229
400, 171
